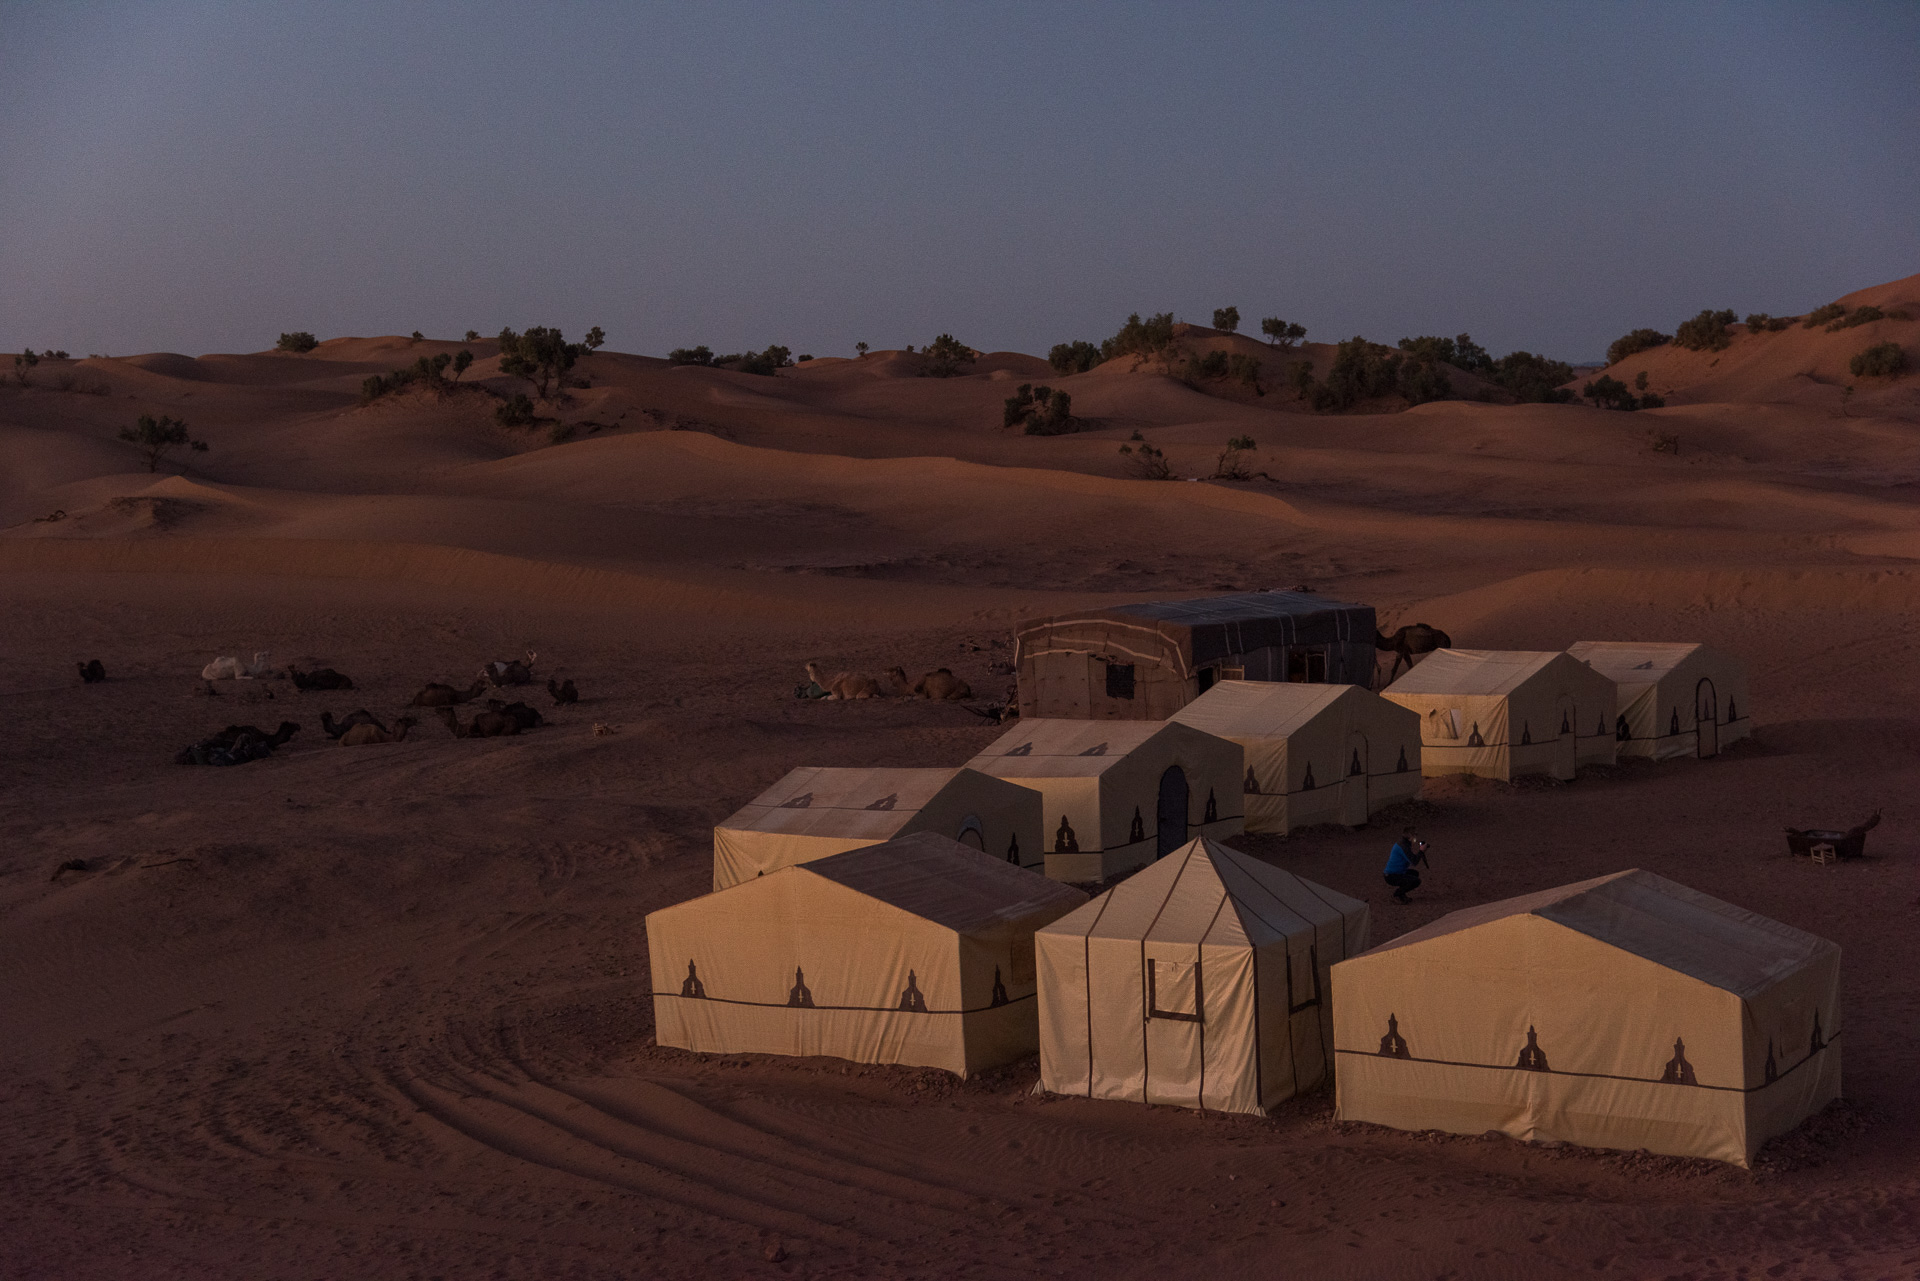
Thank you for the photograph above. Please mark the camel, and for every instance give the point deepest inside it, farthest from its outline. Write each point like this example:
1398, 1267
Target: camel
366, 735
844, 685
438, 695
510, 672
325, 678
898, 686
335, 728
236, 745
232, 669
483, 724
564, 692
286, 731
91, 671
1410, 642
942, 684
526, 717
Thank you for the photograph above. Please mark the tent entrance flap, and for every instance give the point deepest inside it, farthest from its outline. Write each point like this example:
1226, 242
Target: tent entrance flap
1175, 1032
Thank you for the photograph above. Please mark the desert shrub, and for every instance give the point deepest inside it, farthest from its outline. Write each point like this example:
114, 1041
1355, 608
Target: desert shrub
1245, 369
596, 339
1607, 392
1212, 364
801, 360
159, 437
862, 349
701, 355
51, 354
1073, 357
1705, 332
1638, 341
1651, 401
759, 362
23, 366
462, 363
560, 434
1533, 380
1300, 378
473, 335
1282, 333
945, 357
1043, 411
1461, 351
1823, 315
1361, 370
1858, 316
1226, 318
298, 341
428, 371
1759, 322
1139, 337
83, 381
1144, 461
541, 355
1421, 381
1232, 464
1882, 360
515, 411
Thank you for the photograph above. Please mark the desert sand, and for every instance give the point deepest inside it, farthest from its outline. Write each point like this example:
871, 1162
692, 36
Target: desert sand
383, 1012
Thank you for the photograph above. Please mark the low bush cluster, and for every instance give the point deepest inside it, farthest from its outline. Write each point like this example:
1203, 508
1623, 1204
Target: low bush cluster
744, 362
1229, 365
158, 437
515, 411
1823, 315
428, 372
1139, 337
1882, 360
1759, 322
1608, 392
945, 357
1226, 319
1705, 332
1865, 315
1632, 344
1042, 411
298, 341
1144, 461
1073, 357
1364, 370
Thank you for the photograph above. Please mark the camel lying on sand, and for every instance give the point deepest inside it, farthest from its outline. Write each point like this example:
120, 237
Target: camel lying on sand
236, 745
366, 735
232, 669
483, 724
844, 685
325, 678
91, 671
438, 695
335, 728
522, 715
942, 684
563, 692
510, 672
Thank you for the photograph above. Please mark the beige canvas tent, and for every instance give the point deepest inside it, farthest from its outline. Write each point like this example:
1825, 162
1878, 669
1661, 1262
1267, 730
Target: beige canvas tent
814, 812
1119, 794
1315, 753
1501, 713
1201, 982
1622, 1012
1673, 699
918, 951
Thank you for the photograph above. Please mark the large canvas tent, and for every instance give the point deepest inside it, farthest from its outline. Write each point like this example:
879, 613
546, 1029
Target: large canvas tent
1119, 794
1145, 662
813, 812
1673, 699
917, 951
1315, 753
1501, 713
1622, 1012
1200, 982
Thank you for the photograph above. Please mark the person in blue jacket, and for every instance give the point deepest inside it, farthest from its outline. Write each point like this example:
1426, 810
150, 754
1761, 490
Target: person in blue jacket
1408, 853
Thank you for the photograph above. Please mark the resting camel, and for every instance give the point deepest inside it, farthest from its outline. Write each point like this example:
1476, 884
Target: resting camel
366, 735
232, 669
335, 728
1410, 641
564, 692
325, 678
236, 745
286, 731
510, 672
438, 695
942, 684
522, 715
844, 685
483, 724
91, 671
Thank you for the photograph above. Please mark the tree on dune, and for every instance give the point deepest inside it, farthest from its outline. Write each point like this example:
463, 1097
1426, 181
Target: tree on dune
862, 348
596, 339
1140, 338
1632, 344
1226, 319
946, 356
23, 366
461, 363
159, 437
1282, 333
541, 355
1882, 360
298, 341
1073, 357
1705, 332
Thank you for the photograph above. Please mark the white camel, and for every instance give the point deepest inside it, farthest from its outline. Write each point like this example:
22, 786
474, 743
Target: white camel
232, 669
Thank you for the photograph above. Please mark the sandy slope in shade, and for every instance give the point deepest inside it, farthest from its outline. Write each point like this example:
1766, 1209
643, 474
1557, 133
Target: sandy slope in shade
382, 1012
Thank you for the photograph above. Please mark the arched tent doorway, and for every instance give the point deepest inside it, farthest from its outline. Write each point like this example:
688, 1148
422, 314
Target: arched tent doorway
1706, 718
1172, 811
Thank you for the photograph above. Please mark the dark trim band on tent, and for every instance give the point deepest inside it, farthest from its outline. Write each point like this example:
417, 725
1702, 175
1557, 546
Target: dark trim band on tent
872, 1009
1661, 738
1598, 1076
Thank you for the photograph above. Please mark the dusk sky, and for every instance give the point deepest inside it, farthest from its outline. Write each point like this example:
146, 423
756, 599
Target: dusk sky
200, 178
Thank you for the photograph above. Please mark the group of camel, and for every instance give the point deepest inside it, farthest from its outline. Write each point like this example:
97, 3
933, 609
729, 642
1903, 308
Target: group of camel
939, 684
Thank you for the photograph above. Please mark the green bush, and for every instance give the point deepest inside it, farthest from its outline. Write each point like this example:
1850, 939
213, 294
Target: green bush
1421, 381
1212, 364
1043, 411
1705, 332
1533, 380
428, 371
158, 437
945, 357
1638, 341
1073, 357
473, 335
1651, 401
1882, 360
1300, 377
1146, 462
461, 363
1822, 315
1282, 333
1226, 319
298, 341
1361, 370
1759, 322
1232, 465
862, 349
1245, 369
23, 366
1864, 315
1138, 337
596, 339
515, 411
701, 355
763, 363
541, 355
1607, 392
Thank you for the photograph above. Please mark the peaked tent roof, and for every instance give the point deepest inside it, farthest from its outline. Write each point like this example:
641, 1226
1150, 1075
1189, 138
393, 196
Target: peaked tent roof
941, 880
1474, 671
1263, 709
1663, 921
1205, 892
1062, 748
874, 802
1633, 664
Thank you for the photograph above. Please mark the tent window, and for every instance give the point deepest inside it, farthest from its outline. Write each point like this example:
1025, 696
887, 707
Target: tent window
1119, 680
1308, 665
1174, 991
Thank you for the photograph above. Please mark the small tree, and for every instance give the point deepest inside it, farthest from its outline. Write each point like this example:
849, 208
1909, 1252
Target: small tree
23, 366
1705, 332
701, 355
158, 437
1144, 461
862, 348
1226, 319
1073, 357
461, 363
1139, 337
1638, 341
596, 339
1281, 333
473, 335
1232, 462
542, 356
298, 341
1607, 392
418, 336
946, 356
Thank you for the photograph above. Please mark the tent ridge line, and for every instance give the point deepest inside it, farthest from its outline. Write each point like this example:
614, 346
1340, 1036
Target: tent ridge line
1600, 1076
870, 1009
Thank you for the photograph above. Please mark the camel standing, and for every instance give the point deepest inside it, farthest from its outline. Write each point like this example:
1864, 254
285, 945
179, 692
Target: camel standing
1409, 642
366, 735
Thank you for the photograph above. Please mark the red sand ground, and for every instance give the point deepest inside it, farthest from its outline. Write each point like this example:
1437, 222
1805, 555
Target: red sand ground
382, 1012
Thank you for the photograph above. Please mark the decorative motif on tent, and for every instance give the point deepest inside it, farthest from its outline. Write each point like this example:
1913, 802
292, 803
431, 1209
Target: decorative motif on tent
1013, 850
1307, 784
1673, 722
886, 802
1526, 733
1137, 832
1819, 1042
1621, 731
1356, 767
1600, 727
1644, 667
1025, 749
1212, 813
1566, 723
1733, 713
693, 987
1393, 1045
911, 1000
1771, 1072
1063, 840
999, 990
1678, 1070
1253, 784
1401, 768
799, 996
1532, 1057
799, 802
1098, 749
1474, 739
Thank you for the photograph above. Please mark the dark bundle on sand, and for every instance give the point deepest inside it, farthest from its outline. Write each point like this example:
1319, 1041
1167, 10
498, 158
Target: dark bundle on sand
236, 745
562, 691
524, 716
1851, 843
325, 678
91, 671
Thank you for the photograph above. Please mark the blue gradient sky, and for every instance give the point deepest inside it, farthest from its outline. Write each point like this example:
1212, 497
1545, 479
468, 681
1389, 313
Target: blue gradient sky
200, 177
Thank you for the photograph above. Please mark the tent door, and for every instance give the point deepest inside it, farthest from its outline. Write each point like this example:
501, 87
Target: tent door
1706, 718
1175, 1002
1172, 811
1566, 748
1353, 798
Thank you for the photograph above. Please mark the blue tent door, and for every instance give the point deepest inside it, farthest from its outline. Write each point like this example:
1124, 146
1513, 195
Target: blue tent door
1172, 811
